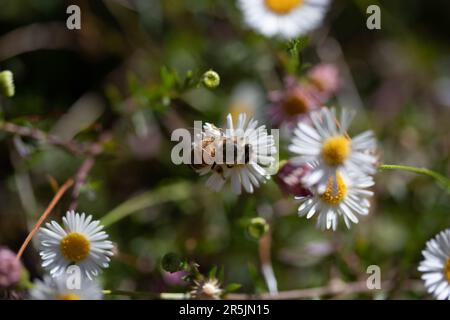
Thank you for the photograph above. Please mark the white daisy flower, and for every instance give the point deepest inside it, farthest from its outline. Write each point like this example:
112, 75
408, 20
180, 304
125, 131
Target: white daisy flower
81, 242
436, 266
57, 288
343, 198
206, 290
325, 141
284, 18
243, 154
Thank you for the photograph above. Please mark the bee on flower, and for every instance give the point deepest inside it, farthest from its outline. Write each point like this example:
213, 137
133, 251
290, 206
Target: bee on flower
283, 18
435, 267
81, 241
59, 288
242, 154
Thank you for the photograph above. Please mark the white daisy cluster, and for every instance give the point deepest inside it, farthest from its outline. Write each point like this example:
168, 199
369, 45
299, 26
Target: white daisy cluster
283, 18
435, 267
80, 242
341, 168
242, 154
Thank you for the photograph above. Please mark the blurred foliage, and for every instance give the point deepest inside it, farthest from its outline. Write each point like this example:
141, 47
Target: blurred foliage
133, 71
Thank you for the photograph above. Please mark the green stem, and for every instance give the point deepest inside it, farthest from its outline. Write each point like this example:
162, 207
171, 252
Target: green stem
444, 182
148, 295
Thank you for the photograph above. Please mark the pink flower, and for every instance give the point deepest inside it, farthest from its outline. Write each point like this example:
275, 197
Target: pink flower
293, 102
289, 179
10, 268
325, 77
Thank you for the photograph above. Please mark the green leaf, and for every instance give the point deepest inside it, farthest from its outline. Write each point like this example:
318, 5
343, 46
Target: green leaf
232, 287
220, 275
295, 48
168, 78
212, 272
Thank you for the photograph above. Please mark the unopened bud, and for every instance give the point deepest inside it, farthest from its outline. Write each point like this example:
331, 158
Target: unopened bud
326, 78
289, 178
258, 227
171, 262
211, 79
6, 83
10, 268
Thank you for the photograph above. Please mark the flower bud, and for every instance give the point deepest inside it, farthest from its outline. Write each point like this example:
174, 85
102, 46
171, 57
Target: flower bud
171, 262
211, 79
258, 227
289, 179
6, 83
10, 268
325, 77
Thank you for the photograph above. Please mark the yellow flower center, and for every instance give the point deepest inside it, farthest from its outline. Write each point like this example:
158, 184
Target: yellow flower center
75, 247
335, 191
282, 6
68, 296
447, 270
335, 150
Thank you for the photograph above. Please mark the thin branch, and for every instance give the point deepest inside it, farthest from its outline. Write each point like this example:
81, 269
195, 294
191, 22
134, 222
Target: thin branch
80, 177
47, 211
36, 36
330, 290
266, 262
335, 288
91, 150
70, 146
80, 180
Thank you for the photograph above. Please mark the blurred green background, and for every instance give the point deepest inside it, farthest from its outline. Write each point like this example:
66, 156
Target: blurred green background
108, 78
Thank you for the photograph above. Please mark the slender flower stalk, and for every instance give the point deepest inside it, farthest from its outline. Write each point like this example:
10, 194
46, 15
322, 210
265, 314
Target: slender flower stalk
44, 216
444, 182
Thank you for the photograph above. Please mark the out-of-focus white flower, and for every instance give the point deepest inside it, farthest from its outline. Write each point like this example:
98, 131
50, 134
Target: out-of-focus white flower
283, 18
57, 288
247, 97
81, 242
435, 267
